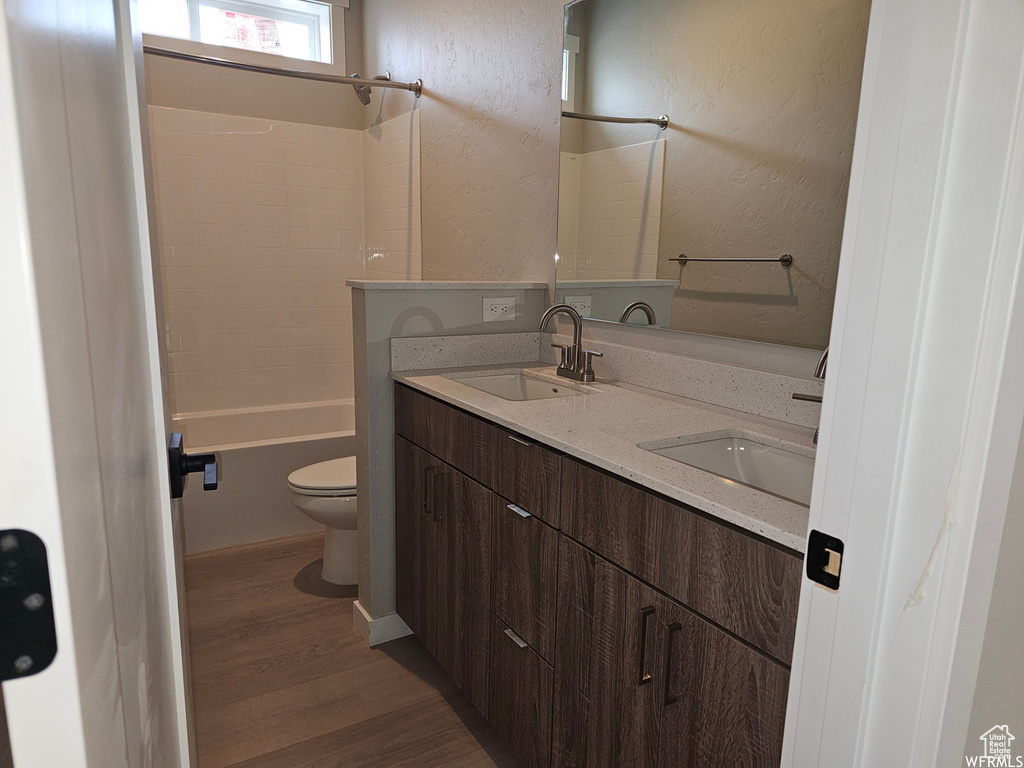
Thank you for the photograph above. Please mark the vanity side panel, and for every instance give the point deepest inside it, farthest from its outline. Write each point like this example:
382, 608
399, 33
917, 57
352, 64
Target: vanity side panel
745, 585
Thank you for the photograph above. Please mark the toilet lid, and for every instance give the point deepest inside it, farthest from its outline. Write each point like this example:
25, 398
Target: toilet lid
336, 477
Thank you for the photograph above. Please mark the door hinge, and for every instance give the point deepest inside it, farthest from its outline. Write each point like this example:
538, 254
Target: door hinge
28, 634
824, 559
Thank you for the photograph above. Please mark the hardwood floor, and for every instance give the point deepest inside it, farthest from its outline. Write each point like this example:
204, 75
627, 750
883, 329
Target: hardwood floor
281, 679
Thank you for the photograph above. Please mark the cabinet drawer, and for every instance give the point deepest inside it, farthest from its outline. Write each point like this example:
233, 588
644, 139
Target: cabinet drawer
521, 694
740, 582
520, 470
524, 572
450, 434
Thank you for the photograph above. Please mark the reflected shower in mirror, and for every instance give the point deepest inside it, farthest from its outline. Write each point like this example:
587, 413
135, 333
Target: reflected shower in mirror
747, 178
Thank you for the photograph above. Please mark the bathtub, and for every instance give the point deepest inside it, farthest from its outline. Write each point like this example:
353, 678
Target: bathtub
257, 448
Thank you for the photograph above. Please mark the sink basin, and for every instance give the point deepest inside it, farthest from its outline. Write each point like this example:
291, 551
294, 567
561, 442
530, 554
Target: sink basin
517, 386
744, 460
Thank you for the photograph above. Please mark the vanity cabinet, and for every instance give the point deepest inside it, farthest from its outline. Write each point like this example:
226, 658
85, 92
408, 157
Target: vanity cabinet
594, 623
744, 584
642, 681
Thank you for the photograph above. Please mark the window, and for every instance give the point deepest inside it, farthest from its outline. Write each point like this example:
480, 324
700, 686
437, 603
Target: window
299, 29
570, 49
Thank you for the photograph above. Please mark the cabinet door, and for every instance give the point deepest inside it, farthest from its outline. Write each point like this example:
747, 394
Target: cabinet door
609, 656
463, 582
417, 482
724, 703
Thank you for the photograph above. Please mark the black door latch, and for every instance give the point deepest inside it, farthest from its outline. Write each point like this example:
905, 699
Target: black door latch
28, 634
824, 559
180, 464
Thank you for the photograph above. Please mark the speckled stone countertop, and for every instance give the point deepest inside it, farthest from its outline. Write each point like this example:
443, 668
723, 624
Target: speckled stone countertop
604, 427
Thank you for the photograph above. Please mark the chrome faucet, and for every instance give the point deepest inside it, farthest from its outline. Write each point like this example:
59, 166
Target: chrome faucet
819, 369
576, 363
819, 373
642, 305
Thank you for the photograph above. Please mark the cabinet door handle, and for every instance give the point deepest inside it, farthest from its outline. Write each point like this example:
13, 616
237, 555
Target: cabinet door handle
673, 628
519, 510
439, 507
645, 614
516, 639
521, 440
429, 488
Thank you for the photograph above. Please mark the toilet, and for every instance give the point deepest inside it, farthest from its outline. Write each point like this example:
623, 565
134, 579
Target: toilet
326, 493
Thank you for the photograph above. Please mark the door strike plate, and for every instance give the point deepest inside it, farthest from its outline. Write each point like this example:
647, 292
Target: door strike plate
824, 559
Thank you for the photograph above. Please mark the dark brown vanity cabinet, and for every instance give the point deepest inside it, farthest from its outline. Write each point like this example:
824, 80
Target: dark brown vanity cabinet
642, 681
642, 634
442, 543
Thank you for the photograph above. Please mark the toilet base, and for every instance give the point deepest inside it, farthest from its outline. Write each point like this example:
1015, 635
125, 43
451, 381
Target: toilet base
341, 564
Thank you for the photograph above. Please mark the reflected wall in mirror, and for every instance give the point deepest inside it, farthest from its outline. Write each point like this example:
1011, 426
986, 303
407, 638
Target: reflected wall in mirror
762, 101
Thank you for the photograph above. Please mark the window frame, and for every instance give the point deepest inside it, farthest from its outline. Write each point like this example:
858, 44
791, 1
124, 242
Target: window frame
335, 35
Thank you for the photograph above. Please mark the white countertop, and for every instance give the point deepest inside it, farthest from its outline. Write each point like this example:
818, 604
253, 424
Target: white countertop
604, 427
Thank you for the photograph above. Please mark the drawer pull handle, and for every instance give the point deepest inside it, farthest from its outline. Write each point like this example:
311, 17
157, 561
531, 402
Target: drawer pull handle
645, 614
517, 639
521, 440
519, 510
670, 698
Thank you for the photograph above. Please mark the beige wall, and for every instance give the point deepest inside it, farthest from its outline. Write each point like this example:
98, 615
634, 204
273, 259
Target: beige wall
763, 102
490, 112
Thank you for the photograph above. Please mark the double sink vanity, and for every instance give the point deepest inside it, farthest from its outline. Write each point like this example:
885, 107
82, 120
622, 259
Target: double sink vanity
609, 572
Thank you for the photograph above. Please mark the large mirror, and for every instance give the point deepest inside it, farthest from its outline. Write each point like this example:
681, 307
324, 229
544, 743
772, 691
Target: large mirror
754, 162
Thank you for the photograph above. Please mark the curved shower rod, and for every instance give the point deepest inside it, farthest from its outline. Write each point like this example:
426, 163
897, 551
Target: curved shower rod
661, 122
357, 82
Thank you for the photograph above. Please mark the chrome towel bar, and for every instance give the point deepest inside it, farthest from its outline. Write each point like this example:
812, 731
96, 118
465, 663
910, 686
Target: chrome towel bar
785, 259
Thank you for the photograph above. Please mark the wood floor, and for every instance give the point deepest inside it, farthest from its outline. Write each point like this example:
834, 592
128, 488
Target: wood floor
281, 680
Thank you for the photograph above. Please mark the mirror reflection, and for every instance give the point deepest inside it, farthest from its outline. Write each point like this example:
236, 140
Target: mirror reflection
727, 218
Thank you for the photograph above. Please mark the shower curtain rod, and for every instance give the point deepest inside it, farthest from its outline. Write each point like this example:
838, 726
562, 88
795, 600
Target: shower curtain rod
661, 122
416, 88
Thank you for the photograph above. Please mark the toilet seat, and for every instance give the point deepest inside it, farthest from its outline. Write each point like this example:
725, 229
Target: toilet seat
336, 478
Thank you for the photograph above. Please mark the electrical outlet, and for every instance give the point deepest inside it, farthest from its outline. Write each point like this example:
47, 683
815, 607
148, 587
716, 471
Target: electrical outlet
580, 303
499, 309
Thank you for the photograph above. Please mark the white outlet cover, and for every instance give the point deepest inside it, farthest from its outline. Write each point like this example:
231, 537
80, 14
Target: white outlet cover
503, 308
581, 304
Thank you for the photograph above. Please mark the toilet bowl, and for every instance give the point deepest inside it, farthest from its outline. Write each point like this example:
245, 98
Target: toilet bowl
326, 493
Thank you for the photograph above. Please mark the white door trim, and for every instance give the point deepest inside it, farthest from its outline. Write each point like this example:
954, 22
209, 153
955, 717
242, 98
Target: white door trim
924, 396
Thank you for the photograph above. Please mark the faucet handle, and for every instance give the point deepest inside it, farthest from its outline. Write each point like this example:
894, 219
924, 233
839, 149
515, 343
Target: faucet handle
589, 355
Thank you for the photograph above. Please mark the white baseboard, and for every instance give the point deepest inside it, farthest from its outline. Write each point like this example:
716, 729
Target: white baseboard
379, 630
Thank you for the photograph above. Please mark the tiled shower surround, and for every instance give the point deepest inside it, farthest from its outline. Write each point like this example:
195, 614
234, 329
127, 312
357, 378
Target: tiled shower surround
260, 223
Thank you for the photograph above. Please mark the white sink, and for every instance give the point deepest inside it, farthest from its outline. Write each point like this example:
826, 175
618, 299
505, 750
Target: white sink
517, 386
745, 460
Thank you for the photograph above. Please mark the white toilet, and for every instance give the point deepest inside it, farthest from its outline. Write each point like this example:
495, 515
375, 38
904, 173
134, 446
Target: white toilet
326, 492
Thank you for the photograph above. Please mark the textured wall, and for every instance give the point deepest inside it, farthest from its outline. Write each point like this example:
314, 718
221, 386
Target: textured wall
763, 101
490, 114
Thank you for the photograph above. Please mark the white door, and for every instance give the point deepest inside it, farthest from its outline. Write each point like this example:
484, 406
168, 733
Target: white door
83, 460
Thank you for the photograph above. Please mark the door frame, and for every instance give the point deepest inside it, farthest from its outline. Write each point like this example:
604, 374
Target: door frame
924, 397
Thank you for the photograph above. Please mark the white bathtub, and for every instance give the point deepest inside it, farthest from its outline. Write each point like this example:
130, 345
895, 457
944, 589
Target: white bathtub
257, 448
